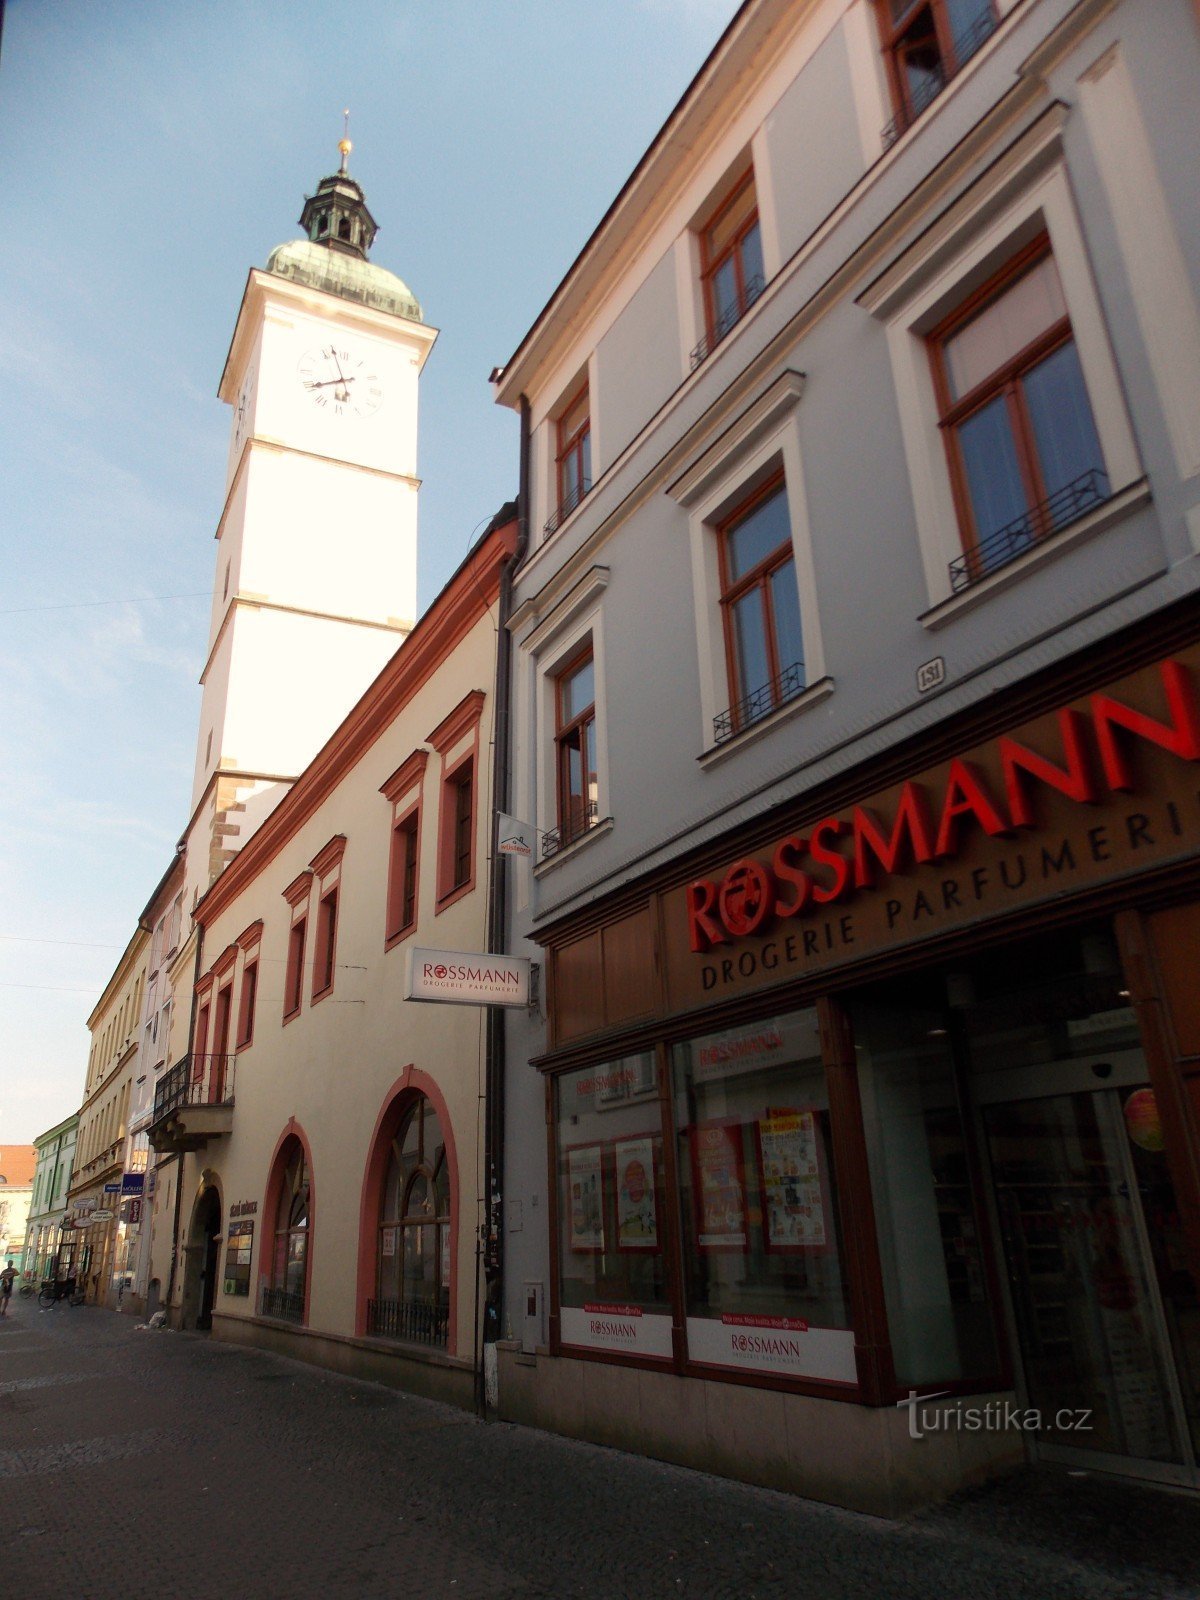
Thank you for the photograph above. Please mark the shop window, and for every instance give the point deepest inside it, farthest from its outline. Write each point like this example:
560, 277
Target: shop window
1025, 458
760, 606
925, 42
763, 1280
612, 1209
412, 1280
575, 746
937, 1286
572, 456
293, 983
285, 1294
731, 264
402, 875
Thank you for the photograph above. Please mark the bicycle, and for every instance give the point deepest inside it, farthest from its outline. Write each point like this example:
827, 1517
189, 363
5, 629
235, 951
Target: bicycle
53, 1290
27, 1288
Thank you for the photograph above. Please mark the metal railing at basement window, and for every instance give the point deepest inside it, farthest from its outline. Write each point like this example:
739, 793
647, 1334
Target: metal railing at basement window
759, 703
1073, 500
195, 1081
416, 1321
583, 821
565, 507
728, 319
282, 1305
916, 100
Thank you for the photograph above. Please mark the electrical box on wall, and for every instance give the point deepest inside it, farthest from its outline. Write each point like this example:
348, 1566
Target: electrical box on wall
533, 1333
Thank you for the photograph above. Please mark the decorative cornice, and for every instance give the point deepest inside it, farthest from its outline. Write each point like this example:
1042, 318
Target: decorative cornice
328, 856
407, 775
296, 891
463, 718
250, 937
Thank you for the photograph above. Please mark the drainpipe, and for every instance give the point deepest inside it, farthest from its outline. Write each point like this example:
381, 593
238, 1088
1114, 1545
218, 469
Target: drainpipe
179, 1154
493, 1128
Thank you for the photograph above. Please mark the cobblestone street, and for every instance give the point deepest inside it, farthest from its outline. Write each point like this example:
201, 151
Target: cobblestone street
136, 1462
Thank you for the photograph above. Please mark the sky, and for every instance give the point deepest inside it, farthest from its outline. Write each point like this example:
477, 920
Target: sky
153, 153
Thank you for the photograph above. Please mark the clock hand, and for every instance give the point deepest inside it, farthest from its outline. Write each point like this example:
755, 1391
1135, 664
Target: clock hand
329, 382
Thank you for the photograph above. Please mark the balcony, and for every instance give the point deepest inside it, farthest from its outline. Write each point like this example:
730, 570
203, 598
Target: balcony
566, 506
759, 703
1074, 500
922, 92
193, 1103
415, 1321
282, 1305
582, 819
729, 318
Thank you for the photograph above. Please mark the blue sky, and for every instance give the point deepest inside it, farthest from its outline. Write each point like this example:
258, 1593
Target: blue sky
153, 152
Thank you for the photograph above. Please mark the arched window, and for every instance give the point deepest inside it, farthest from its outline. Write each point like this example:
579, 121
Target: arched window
412, 1279
344, 228
284, 1295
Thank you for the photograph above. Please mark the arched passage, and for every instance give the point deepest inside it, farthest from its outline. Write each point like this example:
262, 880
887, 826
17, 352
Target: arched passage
201, 1255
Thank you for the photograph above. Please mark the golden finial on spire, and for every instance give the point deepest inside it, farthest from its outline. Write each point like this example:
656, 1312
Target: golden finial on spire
344, 144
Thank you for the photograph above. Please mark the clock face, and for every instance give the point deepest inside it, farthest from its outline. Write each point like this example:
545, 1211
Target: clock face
242, 412
339, 381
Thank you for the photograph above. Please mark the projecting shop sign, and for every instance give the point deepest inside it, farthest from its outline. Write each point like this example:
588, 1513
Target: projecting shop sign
459, 978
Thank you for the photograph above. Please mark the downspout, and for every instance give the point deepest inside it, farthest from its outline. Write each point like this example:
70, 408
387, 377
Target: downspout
493, 1128
179, 1153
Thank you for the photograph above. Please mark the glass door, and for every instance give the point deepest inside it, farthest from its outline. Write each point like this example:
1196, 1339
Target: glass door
1104, 1309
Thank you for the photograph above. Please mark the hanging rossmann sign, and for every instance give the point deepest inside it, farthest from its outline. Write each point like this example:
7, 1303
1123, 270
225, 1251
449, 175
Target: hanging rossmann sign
1104, 788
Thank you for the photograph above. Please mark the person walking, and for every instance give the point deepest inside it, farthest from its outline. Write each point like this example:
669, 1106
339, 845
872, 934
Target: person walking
7, 1278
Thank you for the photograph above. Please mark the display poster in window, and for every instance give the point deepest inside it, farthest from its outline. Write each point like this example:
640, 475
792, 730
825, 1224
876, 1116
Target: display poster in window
789, 1152
388, 1242
637, 1215
718, 1186
238, 1249
585, 1181
621, 1328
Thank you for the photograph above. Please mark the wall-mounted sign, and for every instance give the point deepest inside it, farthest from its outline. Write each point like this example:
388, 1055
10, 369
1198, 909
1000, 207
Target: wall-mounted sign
459, 978
113, 1188
101, 1216
514, 837
244, 1208
133, 1182
238, 1249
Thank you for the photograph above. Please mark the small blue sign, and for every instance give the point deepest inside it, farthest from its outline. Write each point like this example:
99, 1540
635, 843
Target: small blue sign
112, 1188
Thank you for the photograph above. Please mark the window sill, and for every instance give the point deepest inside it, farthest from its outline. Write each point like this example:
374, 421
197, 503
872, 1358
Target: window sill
812, 696
1046, 550
400, 935
318, 995
568, 852
452, 896
244, 1045
290, 1016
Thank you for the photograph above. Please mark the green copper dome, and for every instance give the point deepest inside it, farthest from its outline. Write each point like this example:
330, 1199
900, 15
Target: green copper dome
348, 276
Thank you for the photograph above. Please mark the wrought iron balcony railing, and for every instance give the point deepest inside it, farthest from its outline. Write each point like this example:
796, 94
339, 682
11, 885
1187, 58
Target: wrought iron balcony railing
917, 100
1084, 493
565, 507
759, 703
416, 1321
729, 318
282, 1305
581, 821
194, 1081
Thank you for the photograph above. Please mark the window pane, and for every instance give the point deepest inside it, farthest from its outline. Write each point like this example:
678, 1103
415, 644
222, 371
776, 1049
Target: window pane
993, 475
939, 1310
1001, 331
611, 1200
969, 24
571, 480
420, 1262
751, 660
758, 1194
752, 263
734, 216
578, 690
758, 534
725, 309
573, 420
1063, 429
785, 609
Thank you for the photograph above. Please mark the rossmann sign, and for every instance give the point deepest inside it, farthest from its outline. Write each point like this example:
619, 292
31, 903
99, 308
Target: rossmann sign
1096, 790
457, 977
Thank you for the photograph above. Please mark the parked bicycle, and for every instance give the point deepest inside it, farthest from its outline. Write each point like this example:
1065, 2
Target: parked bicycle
55, 1289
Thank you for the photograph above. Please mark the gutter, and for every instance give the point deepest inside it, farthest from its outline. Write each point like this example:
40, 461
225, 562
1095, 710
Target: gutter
180, 1154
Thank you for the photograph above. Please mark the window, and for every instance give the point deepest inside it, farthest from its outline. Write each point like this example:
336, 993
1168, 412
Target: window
575, 741
573, 456
285, 1293
456, 740
402, 880
412, 1280
293, 986
462, 789
323, 959
925, 42
246, 1009
1025, 458
731, 260
760, 604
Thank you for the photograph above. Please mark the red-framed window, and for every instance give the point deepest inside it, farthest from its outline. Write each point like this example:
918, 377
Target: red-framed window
247, 1002
925, 42
1024, 455
760, 606
293, 983
573, 456
412, 1277
731, 260
575, 746
323, 955
460, 795
285, 1294
403, 874
456, 741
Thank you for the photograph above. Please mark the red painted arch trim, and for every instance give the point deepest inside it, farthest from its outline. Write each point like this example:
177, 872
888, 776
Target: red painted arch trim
396, 1103
266, 1250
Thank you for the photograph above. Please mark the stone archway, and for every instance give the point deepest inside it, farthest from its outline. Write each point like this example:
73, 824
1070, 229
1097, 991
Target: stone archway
201, 1260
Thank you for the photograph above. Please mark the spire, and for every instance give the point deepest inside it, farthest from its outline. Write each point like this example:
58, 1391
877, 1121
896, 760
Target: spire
337, 216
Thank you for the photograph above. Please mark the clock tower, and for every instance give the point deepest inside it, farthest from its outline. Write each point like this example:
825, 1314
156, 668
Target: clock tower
316, 547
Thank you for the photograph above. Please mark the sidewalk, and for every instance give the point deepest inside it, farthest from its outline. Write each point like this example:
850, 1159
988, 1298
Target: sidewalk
167, 1464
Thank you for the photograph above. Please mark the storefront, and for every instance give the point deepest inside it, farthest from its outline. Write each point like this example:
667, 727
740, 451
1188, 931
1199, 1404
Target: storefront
884, 1118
